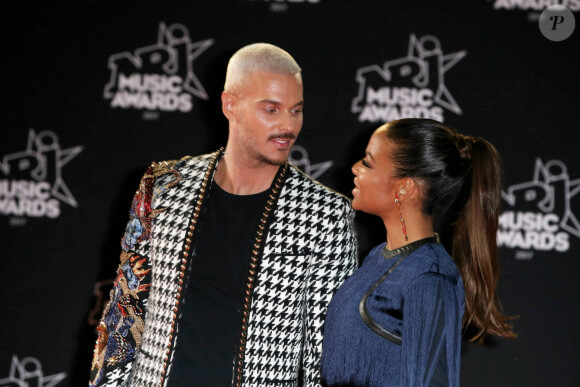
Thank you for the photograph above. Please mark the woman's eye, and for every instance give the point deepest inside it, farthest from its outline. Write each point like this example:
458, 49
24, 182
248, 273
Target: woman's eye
365, 163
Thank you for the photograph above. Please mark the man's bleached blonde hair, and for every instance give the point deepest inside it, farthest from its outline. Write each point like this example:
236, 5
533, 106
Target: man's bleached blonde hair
258, 57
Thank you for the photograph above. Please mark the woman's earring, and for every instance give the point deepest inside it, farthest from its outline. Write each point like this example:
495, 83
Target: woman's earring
398, 204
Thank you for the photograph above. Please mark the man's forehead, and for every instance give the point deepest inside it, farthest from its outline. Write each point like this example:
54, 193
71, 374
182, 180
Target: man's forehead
265, 75
272, 88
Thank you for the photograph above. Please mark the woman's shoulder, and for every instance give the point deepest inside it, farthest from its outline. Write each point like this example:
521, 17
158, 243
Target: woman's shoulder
433, 268
433, 258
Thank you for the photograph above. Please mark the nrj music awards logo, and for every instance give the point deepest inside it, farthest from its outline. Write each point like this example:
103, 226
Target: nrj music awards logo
28, 372
31, 183
158, 77
540, 216
412, 86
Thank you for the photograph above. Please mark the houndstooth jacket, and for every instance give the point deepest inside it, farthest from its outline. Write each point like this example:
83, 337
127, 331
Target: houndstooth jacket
304, 248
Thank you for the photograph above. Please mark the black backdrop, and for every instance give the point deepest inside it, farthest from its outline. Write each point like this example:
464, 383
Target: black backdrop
93, 91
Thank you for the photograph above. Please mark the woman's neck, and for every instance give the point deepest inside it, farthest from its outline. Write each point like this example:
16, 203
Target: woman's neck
416, 227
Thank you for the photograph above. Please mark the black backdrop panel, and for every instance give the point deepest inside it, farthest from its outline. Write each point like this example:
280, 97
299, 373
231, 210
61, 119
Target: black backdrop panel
93, 91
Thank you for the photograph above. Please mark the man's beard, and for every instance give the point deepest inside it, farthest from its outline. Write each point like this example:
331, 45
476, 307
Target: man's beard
266, 160
285, 136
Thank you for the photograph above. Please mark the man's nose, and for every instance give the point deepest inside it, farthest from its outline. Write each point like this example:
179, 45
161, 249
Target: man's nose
290, 122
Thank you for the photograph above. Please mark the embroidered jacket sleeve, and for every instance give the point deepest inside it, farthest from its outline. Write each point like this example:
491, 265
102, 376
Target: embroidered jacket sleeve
431, 343
121, 326
336, 260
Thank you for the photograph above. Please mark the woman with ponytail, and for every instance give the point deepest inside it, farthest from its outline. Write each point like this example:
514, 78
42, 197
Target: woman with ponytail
398, 320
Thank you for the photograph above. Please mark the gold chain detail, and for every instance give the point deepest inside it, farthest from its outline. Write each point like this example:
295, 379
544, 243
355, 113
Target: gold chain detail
185, 256
253, 270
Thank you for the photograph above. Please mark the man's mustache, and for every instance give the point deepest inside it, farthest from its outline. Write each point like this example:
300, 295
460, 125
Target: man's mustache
284, 136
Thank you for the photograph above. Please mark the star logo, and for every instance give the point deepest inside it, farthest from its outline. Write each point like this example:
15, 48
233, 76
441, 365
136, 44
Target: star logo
42, 161
549, 191
28, 372
299, 157
161, 72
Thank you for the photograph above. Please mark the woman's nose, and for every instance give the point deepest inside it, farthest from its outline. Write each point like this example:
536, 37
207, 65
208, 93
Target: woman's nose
355, 167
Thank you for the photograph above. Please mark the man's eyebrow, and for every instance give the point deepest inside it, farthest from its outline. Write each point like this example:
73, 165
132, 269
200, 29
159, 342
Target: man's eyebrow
270, 101
274, 102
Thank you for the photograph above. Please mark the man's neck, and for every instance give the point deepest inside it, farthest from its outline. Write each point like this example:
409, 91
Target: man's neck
238, 178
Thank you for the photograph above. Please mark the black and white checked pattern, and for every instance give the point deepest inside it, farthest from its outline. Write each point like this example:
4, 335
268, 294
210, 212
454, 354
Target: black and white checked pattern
309, 251
167, 239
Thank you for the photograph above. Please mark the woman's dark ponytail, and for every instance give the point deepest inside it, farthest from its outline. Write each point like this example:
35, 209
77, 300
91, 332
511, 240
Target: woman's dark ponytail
474, 238
459, 173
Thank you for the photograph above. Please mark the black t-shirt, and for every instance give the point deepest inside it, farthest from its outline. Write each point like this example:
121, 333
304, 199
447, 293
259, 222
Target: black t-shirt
210, 321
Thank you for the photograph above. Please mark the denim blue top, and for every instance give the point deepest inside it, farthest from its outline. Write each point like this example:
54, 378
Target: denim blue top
421, 302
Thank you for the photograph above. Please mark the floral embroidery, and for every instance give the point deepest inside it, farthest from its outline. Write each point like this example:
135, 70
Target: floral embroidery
121, 327
122, 324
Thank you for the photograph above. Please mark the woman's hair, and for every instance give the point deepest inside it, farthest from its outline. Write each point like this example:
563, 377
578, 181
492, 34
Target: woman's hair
462, 172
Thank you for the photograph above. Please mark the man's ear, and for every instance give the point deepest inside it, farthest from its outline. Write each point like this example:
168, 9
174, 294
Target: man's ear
228, 105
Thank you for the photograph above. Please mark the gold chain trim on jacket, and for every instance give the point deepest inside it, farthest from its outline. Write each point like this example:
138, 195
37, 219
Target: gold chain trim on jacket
253, 270
185, 258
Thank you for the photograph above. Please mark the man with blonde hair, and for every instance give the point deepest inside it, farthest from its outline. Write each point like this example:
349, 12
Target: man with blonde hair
229, 259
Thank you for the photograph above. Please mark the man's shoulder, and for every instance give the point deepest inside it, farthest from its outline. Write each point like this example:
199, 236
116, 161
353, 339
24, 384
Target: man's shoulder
170, 172
305, 185
186, 163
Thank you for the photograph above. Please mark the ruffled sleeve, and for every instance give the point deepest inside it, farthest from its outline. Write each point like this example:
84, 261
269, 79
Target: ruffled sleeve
431, 335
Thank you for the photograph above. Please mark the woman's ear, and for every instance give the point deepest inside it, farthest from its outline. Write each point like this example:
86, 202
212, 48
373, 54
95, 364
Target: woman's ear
407, 189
